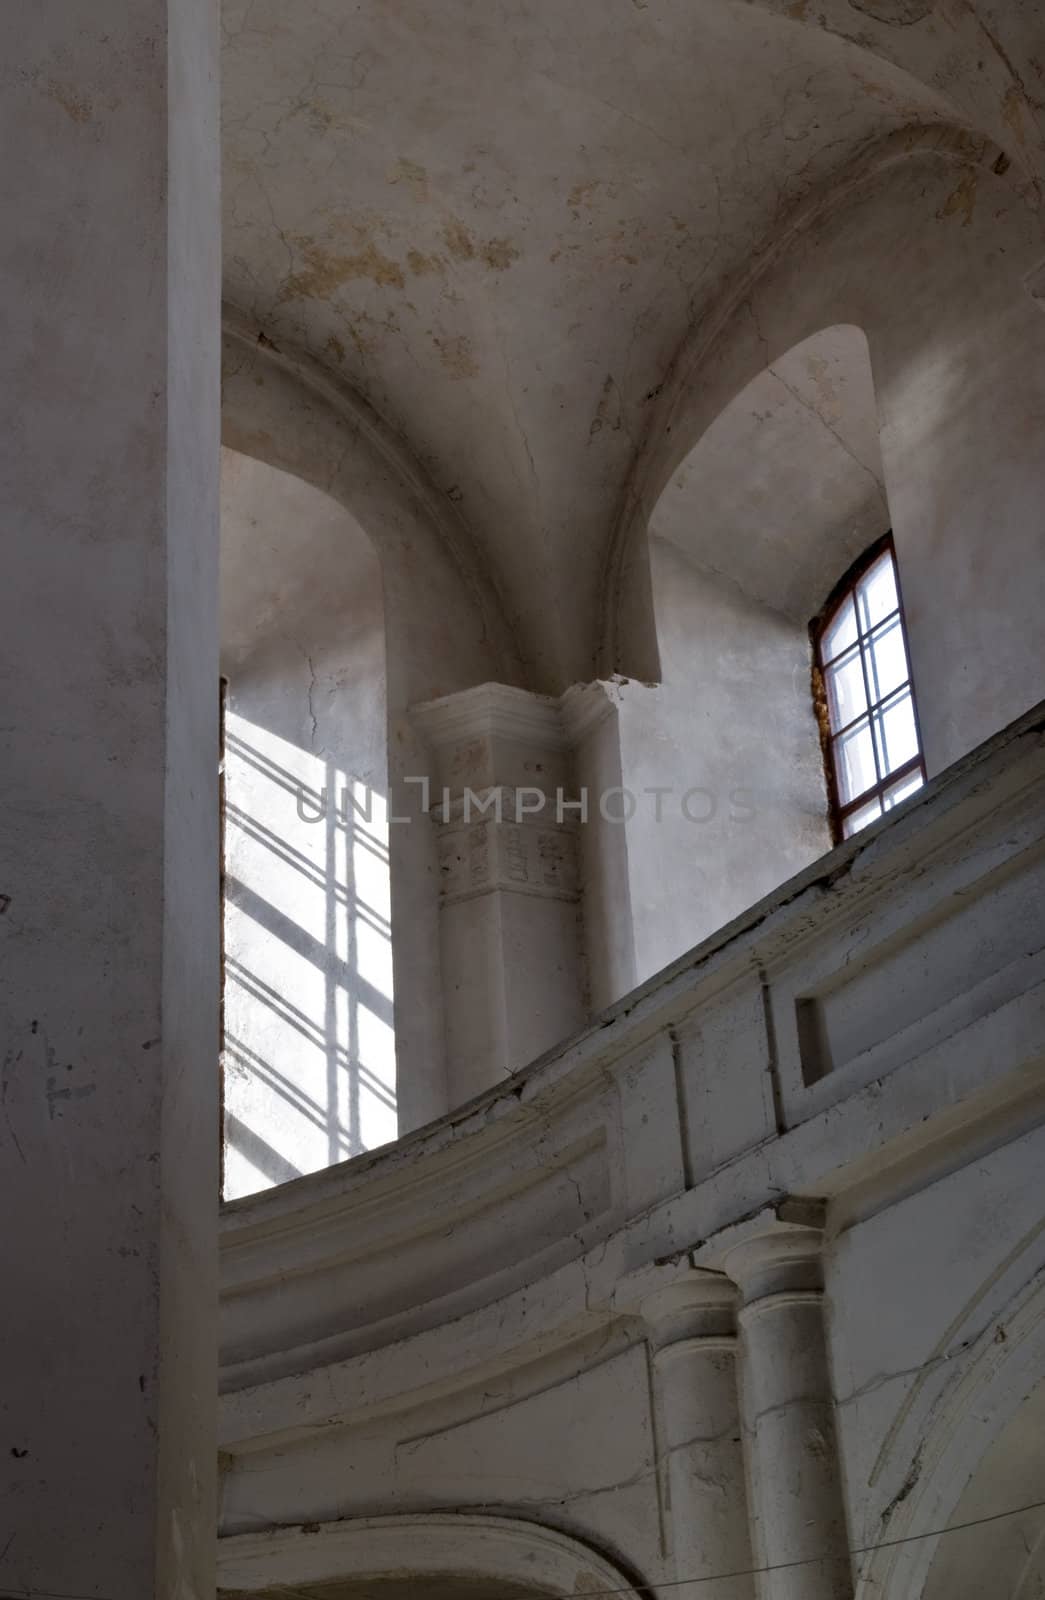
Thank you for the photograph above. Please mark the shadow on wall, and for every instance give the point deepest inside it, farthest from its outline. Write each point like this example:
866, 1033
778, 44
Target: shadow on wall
309, 1042
309, 1051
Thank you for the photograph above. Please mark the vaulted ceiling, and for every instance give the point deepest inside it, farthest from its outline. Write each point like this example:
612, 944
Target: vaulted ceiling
498, 221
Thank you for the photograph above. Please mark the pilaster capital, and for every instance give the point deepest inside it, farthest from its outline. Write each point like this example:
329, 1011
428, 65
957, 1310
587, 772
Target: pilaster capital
701, 1306
496, 736
585, 705
783, 1260
491, 711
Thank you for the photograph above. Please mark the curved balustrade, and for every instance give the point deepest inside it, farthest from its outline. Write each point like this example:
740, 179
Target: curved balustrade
507, 1312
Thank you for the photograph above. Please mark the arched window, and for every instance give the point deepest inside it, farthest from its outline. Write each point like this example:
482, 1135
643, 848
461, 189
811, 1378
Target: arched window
864, 695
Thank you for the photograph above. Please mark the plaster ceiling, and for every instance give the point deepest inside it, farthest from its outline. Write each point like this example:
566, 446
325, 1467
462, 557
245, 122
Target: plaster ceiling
497, 220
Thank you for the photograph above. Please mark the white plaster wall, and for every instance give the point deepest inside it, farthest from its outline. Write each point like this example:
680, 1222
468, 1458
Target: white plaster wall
930, 257
732, 721
797, 473
962, 406
955, 1274
310, 1072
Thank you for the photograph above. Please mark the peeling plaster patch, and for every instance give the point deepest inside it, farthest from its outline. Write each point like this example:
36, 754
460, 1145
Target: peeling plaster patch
75, 106
325, 272
499, 254
421, 265
457, 357
798, 10
876, 91
962, 202
414, 177
582, 194
496, 253
459, 241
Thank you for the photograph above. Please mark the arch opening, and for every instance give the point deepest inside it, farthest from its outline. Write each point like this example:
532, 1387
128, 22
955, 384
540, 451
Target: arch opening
1004, 1558
309, 1034
442, 1555
772, 504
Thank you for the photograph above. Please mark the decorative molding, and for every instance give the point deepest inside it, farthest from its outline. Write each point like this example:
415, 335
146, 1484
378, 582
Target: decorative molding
292, 1298
492, 710
697, 1310
497, 710
528, 856
585, 706
352, 410
781, 1264
502, 1551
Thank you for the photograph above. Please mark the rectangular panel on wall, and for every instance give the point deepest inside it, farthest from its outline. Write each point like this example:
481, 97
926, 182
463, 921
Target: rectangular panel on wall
651, 1154
725, 1077
916, 970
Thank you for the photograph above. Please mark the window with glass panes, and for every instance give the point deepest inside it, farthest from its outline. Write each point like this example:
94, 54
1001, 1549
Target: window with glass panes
871, 735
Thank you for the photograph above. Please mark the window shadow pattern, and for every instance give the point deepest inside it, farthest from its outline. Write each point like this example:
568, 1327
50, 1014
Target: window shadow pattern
309, 1048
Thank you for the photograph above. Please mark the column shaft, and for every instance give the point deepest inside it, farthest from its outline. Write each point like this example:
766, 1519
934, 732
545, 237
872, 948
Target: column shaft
109, 434
798, 1510
694, 1358
510, 916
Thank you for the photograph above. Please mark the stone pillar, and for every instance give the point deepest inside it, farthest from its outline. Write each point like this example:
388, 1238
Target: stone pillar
509, 923
798, 1509
693, 1342
591, 718
109, 433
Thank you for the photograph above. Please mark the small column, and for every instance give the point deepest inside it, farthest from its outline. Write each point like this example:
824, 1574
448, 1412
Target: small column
693, 1342
794, 1476
509, 920
592, 720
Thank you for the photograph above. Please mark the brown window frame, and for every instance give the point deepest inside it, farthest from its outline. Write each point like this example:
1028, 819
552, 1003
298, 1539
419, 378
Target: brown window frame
223, 704
838, 811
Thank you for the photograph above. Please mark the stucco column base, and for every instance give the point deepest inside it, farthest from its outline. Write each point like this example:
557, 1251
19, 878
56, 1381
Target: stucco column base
692, 1336
798, 1512
510, 905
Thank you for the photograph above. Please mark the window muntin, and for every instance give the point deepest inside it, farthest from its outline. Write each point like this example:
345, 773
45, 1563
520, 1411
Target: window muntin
872, 745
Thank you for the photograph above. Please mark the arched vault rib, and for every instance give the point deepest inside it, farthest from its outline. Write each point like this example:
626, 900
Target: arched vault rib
953, 48
389, 482
628, 642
